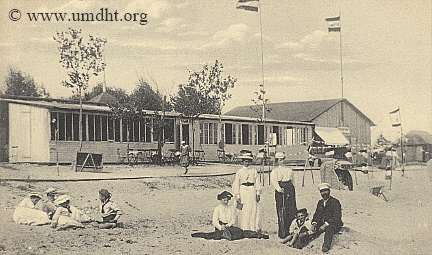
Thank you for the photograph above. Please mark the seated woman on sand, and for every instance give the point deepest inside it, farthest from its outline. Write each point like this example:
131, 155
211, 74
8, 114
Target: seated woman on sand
27, 213
67, 216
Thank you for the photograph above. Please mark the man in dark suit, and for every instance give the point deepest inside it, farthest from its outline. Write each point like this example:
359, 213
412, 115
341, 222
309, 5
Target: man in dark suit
327, 217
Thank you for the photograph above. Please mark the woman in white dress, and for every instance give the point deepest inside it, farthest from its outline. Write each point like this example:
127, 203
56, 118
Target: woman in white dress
27, 213
247, 191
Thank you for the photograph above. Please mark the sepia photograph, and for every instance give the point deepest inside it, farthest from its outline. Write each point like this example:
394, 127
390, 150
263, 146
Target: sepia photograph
215, 127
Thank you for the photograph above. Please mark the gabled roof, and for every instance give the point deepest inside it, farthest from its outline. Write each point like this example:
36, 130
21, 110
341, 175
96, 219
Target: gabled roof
293, 111
104, 97
416, 137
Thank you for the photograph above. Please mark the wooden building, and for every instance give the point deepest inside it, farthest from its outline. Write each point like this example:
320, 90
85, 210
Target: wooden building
40, 130
336, 113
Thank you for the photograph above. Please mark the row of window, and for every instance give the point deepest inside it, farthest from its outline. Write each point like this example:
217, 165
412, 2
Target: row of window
248, 134
107, 128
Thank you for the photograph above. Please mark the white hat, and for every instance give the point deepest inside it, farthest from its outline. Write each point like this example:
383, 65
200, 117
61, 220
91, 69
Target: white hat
50, 190
323, 186
61, 199
35, 194
182, 142
280, 155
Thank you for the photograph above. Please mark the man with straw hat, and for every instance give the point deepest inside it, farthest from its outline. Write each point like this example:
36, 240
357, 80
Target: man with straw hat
281, 179
247, 191
327, 217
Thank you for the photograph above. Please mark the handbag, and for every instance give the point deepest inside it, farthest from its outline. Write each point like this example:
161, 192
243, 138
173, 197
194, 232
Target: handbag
239, 205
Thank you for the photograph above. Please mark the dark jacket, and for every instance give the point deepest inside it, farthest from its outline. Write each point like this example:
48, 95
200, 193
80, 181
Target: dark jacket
331, 213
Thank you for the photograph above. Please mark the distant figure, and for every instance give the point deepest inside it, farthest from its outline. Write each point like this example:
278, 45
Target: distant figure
282, 179
109, 211
300, 230
27, 213
185, 151
67, 216
327, 217
247, 191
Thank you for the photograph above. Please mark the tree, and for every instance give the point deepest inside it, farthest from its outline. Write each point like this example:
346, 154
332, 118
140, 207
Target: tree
205, 93
20, 84
82, 59
137, 105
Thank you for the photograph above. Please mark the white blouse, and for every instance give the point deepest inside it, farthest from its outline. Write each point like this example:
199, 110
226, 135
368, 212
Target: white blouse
280, 173
224, 213
244, 175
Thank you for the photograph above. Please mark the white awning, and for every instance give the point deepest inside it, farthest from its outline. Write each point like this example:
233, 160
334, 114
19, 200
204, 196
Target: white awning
331, 136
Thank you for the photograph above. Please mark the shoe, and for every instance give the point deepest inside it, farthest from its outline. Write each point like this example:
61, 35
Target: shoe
325, 249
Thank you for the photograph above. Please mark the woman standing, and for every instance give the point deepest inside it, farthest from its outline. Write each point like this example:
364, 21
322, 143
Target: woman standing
282, 180
247, 191
185, 156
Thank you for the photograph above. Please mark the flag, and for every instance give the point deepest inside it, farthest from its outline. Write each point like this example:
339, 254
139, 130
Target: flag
334, 24
395, 118
248, 5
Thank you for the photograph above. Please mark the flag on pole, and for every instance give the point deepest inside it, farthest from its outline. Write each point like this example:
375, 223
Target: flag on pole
334, 24
395, 118
248, 5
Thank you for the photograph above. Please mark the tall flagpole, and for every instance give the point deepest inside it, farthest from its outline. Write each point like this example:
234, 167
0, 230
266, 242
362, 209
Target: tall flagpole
401, 143
341, 69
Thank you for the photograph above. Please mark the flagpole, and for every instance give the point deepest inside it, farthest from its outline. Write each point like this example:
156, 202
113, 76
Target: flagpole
341, 69
263, 92
401, 143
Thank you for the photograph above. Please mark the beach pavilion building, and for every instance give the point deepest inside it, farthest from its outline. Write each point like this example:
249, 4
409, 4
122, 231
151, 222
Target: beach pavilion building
42, 130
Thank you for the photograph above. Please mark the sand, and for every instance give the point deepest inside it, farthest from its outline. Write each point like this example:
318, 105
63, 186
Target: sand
160, 214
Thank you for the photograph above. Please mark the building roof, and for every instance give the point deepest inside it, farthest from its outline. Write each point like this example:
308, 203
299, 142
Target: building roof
306, 111
104, 97
416, 137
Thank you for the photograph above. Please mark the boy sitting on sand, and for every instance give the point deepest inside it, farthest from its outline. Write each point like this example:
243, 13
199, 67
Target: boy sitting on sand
300, 230
109, 211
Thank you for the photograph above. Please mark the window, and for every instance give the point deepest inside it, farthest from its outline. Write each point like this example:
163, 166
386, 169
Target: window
261, 135
54, 125
104, 126
245, 134
117, 130
62, 127
98, 127
169, 130
208, 133
111, 128
91, 127
229, 133
75, 128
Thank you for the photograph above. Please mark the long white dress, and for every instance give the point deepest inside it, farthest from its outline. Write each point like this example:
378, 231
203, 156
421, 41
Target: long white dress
250, 213
26, 213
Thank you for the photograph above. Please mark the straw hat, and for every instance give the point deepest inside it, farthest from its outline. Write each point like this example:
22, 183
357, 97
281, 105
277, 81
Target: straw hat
35, 194
246, 156
61, 199
50, 190
280, 155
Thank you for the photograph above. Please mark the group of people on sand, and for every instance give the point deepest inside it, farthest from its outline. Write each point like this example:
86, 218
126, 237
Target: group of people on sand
295, 227
55, 208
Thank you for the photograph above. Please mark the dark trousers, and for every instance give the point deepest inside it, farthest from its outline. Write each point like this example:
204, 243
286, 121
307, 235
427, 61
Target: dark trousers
329, 232
286, 207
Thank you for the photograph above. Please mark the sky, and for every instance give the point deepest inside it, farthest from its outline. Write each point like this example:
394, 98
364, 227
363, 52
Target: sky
386, 50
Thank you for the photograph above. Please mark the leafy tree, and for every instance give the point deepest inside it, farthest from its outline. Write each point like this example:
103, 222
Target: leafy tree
137, 105
82, 58
20, 84
205, 93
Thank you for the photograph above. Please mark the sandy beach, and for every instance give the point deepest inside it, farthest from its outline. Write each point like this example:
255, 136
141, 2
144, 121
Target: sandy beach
161, 213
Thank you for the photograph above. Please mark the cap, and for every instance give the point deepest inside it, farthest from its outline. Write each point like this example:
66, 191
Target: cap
323, 186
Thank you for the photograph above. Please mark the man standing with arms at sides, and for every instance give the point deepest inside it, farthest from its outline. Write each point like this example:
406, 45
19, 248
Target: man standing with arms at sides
327, 217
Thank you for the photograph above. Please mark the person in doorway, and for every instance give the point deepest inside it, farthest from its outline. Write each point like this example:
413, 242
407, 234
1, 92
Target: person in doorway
327, 217
185, 151
247, 191
282, 179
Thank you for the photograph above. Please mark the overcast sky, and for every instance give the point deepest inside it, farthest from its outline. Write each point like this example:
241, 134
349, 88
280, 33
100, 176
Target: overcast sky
386, 47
